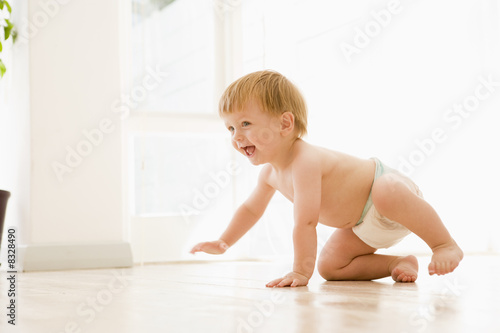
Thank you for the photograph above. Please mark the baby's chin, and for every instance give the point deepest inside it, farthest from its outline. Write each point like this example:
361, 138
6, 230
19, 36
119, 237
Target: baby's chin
255, 158
256, 162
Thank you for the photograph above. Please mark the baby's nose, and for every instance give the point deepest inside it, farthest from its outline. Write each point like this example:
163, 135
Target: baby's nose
237, 136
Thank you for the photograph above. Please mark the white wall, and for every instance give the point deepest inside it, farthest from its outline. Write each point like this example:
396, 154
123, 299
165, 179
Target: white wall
74, 81
14, 128
399, 89
395, 89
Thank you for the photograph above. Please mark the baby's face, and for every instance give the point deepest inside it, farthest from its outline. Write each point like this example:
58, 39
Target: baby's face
254, 133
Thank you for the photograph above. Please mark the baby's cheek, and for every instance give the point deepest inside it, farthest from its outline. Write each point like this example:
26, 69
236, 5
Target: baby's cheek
264, 136
267, 134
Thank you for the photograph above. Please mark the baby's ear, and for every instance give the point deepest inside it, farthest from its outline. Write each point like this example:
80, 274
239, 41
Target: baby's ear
287, 123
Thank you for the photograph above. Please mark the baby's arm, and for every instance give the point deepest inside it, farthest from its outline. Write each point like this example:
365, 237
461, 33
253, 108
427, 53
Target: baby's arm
307, 200
244, 218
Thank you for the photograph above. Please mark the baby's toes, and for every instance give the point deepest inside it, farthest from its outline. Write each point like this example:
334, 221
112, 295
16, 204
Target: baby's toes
442, 268
449, 267
436, 267
433, 268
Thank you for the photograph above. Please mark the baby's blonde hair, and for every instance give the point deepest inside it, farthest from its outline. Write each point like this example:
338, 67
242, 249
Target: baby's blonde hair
274, 92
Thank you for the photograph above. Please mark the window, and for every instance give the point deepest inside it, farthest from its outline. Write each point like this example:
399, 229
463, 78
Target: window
179, 156
181, 174
378, 79
178, 37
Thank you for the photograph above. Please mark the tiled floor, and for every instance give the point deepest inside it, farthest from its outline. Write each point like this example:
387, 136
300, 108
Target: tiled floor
231, 297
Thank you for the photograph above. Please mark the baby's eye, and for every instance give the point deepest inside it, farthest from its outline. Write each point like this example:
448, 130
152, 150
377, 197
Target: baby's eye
231, 129
245, 124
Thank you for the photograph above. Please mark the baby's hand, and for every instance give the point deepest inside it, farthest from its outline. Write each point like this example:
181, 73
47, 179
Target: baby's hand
215, 247
291, 279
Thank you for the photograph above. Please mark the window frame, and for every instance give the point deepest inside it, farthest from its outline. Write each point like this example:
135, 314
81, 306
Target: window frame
227, 64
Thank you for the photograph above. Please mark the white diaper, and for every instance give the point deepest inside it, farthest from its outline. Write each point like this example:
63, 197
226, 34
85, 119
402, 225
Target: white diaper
378, 231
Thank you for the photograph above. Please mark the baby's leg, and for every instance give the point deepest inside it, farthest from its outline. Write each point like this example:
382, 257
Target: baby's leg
346, 257
393, 198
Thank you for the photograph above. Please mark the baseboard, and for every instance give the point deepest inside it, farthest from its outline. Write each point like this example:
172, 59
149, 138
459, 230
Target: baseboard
160, 239
74, 256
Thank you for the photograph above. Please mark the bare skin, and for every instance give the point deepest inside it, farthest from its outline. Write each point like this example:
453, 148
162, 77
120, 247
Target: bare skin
330, 188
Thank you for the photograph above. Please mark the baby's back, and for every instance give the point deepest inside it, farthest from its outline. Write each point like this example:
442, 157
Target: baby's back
345, 187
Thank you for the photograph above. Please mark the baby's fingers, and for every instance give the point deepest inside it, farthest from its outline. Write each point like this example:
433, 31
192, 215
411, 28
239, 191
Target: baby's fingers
274, 283
298, 283
281, 282
285, 282
216, 247
194, 250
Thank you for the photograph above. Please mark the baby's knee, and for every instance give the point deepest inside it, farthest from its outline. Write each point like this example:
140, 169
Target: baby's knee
324, 270
387, 190
329, 272
328, 267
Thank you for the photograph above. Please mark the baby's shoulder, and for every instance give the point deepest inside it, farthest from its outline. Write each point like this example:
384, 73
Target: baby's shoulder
325, 160
307, 152
266, 174
316, 156
308, 158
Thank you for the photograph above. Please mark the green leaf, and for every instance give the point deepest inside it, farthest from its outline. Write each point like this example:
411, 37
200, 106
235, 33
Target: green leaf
2, 2
14, 35
0, 46
8, 6
2, 68
7, 29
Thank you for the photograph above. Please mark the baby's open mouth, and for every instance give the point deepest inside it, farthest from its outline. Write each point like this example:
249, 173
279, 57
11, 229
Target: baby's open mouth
249, 150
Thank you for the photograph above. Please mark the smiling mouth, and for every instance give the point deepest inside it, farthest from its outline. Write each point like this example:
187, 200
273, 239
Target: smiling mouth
249, 150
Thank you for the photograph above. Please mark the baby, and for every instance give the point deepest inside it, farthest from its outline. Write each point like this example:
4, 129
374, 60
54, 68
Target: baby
371, 205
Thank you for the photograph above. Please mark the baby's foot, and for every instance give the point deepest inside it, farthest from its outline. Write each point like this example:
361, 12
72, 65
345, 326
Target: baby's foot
445, 258
405, 269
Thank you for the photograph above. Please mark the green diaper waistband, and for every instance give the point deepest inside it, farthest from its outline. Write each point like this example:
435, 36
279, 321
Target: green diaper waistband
379, 171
